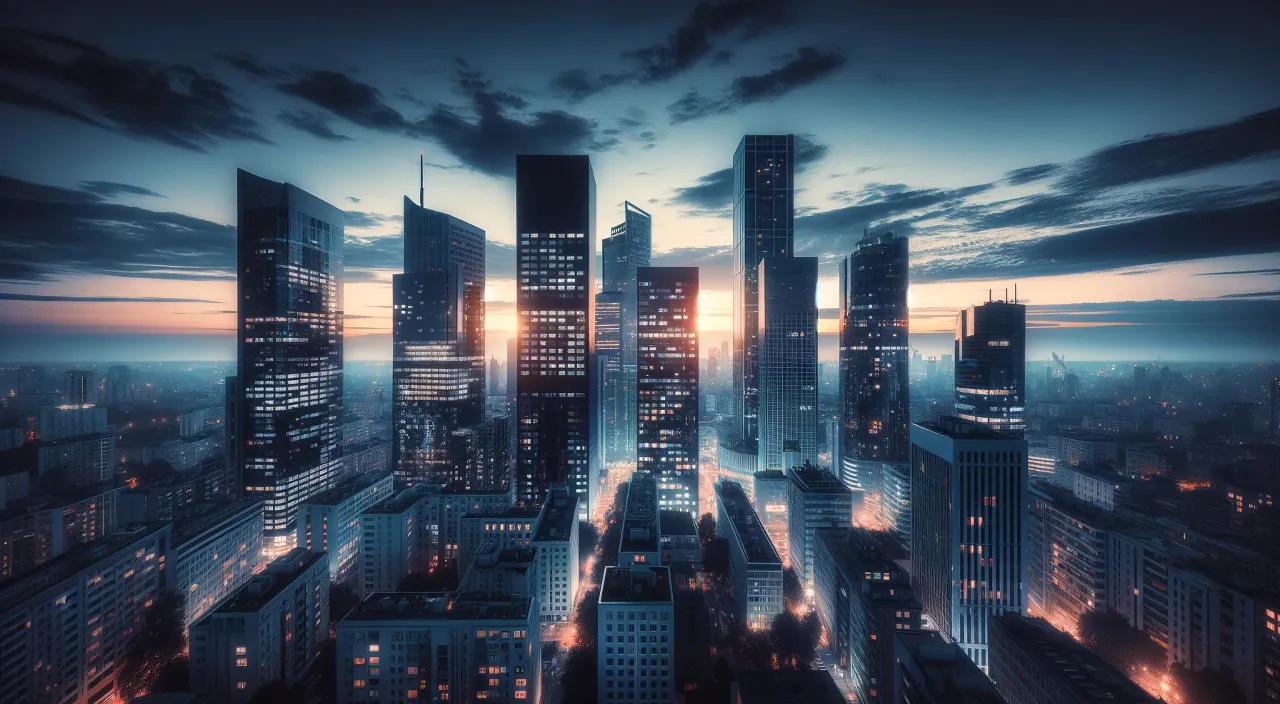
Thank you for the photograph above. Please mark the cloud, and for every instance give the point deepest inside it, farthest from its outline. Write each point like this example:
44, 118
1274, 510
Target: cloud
356, 102
1263, 272
809, 151
8, 296
808, 65
170, 103
1031, 174
837, 230
312, 123
691, 42
111, 189
711, 195
714, 262
353, 199
361, 220
246, 63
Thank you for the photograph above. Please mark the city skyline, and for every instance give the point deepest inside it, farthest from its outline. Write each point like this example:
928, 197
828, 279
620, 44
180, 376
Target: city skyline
1035, 187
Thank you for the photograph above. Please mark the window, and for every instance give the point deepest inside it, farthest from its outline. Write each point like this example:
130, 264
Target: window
242, 662
240, 650
241, 685
374, 647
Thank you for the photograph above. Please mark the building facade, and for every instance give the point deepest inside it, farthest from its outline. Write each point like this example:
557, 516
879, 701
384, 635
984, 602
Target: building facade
968, 527
770, 498
667, 393
269, 630
787, 361
817, 499
755, 570
875, 404
214, 553
330, 522
555, 390
627, 248
390, 547
635, 635
556, 539
289, 349
438, 380
87, 460
763, 228
609, 380
895, 500
991, 365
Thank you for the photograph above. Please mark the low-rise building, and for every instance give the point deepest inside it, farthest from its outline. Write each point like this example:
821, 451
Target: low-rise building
216, 550
817, 499
678, 539
439, 647
330, 521
85, 460
796, 686
389, 547
269, 629
635, 629
1099, 486
502, 572
65, 628
556, 539
39, 528
932, 671
755, 570
638, 542
512, 528
771, 492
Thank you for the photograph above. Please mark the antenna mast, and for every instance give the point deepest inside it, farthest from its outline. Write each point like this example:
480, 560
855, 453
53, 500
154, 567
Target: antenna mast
421, 183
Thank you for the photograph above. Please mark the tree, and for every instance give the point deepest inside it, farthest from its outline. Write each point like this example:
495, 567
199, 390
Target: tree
579, 679
706, 529
1108, 634
588, 541
342, 599
794, 641
159, 642
715, 557
1208, 686
792, 590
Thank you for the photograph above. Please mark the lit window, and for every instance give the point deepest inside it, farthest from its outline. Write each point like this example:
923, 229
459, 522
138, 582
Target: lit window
374, 648
241, 685
242, 662
240, 650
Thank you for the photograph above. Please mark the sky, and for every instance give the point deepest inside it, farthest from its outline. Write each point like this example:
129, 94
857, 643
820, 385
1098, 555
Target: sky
1120, 165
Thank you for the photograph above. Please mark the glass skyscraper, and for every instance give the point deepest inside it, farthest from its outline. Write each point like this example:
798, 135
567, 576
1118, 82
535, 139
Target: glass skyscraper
763, 227
555, 394
667, 409
627, 248
875, 405
788, 369
608, 334
437, 369
991, 365
289, 349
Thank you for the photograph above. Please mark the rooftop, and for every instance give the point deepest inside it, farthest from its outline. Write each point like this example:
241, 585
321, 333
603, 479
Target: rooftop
269, 583
397, 504
624, 585
16, 590
791, 686
947, 673
509, 514
676, 523
436, 606
55, 500
346, 489
640, 522
1067, 662
959, 428
212, 515
559, 516
813, 479
751, 534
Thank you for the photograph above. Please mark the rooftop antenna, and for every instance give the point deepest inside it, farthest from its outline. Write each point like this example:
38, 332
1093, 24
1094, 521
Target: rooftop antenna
988, 295
421, 183
1006, 293
1015, 293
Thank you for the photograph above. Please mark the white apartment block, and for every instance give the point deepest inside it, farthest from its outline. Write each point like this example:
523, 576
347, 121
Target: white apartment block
389, 548
330, 521
269, 629
512, 528
214, 554
635, 635
557, 542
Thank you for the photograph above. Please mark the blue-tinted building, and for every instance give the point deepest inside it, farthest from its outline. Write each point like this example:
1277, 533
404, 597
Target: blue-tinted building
991, 365
289, 349
627, 248
788, 362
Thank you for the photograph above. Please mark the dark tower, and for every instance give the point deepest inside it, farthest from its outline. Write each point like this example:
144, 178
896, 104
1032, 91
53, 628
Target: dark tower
991, 365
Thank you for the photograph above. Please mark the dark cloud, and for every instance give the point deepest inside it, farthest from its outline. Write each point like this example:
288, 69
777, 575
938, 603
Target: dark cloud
1171, 154
1031, 174
808, 65
347, 98
361, 220
312, 123
837, 230
9, 296
711, 195
353, 199
1253, 295
246, 63
111, 189
1248, 229
1262, 272
809, 151
715, 264
690, 43
174, 104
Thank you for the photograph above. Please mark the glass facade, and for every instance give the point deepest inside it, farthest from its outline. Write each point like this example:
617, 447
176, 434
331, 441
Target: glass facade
556, 403
991, 365
624, 252
608, 334
667, 415
763, 227
875, 404
788, 362
289, 356
438, 368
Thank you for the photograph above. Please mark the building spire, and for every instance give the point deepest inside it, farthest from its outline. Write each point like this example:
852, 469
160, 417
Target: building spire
421, 183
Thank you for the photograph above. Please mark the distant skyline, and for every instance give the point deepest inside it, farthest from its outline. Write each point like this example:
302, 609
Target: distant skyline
1121, 165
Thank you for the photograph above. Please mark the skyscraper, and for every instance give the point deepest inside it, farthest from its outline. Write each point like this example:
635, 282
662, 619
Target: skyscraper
627, 248
555, 394
788, 361
437, 370
968, 527
763, 228
289, 356
875, 404
991, 365
1275, 406
77, 389
609, 381
667, 415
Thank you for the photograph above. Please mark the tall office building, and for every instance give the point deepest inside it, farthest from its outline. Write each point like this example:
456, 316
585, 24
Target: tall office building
627, 248
119, 386
77, 387
991, 365
763, 228
289, 356
816, 500
555, 390
609, 381
968, 527
875, 404
1275, 407
437, 372
787, 361
667, 435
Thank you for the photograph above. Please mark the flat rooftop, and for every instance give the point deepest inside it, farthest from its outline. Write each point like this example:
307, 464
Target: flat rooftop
16, 590
266, 585
212, 515
1067, 662
676, 523
61, 499
346, 490
791, 686
755, 540
559, 516
511, 514
949, 675
818, 480
436, 606
624, 585
953, 427
640, 522
399, 503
